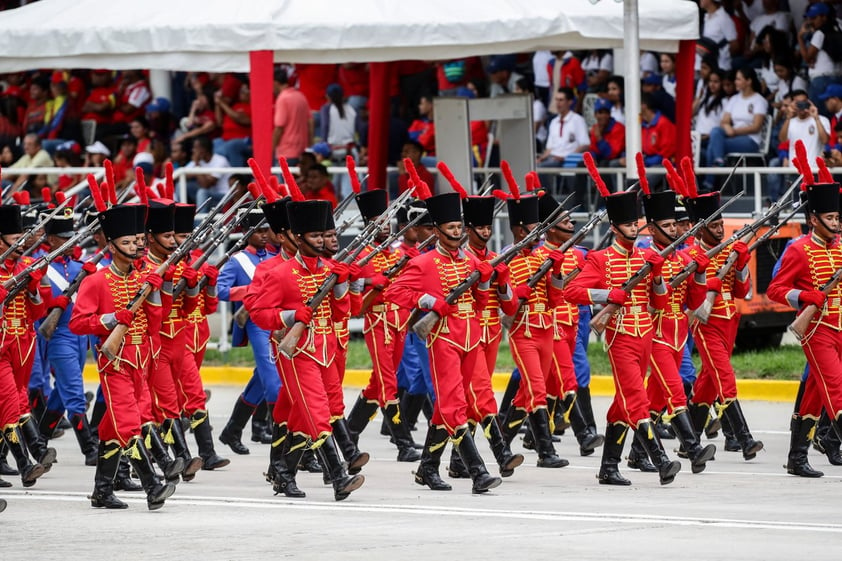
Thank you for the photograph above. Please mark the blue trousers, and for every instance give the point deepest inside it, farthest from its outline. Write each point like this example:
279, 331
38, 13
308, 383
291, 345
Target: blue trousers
265, 383
66, 356
39, 379
580, 356
719, 145
414, 369
688, 369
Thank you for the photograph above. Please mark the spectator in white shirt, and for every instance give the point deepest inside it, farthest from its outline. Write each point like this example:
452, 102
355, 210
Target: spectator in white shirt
711, 106
772, 16
719, 28
567, 134
822, 70
212, 185
598, 67
804, 123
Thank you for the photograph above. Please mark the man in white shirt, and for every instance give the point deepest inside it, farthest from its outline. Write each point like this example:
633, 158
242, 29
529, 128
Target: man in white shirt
804, 123
210, 185
719, 27
568, 132
34, 156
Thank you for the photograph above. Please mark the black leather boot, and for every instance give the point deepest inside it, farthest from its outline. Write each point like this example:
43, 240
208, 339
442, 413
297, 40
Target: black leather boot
356, 459
411, 405
280, 475
734, 414
108, 462
309, 462
157, 491
200, 423
428, 469
174, 435
539, 423
698, 455
124, 481
87, 443
667, 469
732, 444
457, 468
171, 468
36, 445
797, 463
4, 484
38, 404
5, 468
232, 434
361, 414
699, 415
612, 453
825, 441
48, 423
563, 408
662, 429
508, 396
586, 435
343, 484
96, 416
638, 459
29, 470
502, 453
467, 448
511, 423
261, 430
400, 434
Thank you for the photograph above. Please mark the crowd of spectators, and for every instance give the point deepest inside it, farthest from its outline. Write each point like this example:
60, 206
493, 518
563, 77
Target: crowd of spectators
762, 70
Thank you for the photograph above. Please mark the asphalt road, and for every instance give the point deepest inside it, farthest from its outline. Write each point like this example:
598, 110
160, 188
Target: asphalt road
734, 510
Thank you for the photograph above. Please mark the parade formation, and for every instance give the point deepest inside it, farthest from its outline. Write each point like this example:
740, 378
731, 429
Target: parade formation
436, 303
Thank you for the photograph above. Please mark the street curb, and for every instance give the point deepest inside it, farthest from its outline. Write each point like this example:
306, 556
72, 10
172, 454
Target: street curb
760, 390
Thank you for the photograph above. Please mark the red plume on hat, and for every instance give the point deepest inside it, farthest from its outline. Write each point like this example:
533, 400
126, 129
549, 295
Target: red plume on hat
530, 182
594, 173
422, 190
110, 191
60, 197
96, 194
46, 195
268, 193
258, 174
514, 189
140, 188
109, 172
22, 198
641, 174
445, 171
352, 173
278, 187
292, 185
255, 191
804, 162
689, 177
674, 179
169, 185
824, 174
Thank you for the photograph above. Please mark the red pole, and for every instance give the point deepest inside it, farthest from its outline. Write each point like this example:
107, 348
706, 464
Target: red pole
684, 64
378, 124
260, 82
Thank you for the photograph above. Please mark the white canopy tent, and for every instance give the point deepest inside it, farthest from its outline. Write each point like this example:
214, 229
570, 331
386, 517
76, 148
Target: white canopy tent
217, 35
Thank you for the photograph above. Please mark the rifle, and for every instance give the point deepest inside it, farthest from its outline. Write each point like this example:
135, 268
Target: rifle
28, 251
423, 326
601, 319
802, 321
548, 263
347, 255
241, 316
111, 347
44, 219
703, 311
48, 326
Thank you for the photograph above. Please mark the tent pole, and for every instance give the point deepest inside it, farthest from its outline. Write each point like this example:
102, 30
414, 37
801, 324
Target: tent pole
684, 63
631, 50
260, 83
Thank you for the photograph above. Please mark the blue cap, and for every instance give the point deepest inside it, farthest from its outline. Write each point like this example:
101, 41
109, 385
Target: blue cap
466, 92
653, 79
501, 62
602, 104
334, 90
833, 90
161, 105
320, 148
818, 9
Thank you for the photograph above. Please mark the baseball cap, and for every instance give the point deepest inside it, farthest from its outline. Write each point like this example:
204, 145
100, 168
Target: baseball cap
143, 158
320, 148
602, 104
833, 90
818, 9
97, 148
652, 79
501, 62
161, 105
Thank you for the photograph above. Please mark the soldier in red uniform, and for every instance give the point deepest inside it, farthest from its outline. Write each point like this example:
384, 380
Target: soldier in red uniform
188, 381
385, 331
478, 213
169, 358
17, 347
665, 388
628, 334
715, 338
303, 376
531, 335
806, 265
452, 343
101, 305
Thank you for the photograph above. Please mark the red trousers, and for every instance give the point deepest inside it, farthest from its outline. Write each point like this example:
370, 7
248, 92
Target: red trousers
333, 387
198, 335
479, 392
126, 399
824, 384
191, 392
341, 359
306, 399
449, 367
17, 354
665, 387
562, 377
533, 357
715, 342
629, 356
162, 376
385, 344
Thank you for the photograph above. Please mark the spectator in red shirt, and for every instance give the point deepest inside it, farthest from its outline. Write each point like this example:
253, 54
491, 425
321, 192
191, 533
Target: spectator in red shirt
293, 122
353, 77
569, 74
36, 109
423, 130
453, 74
658, 134
132, 96
608, 137
123, 162
139, 129
201, 121
318, 185
413, 151
313, 80
100, 103
235, 122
